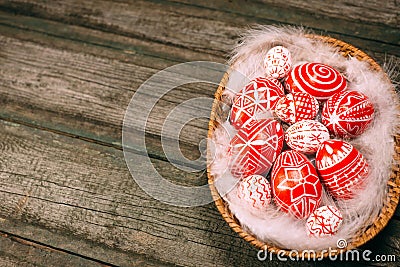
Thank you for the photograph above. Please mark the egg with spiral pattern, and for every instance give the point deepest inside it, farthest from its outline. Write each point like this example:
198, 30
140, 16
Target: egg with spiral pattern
317, 79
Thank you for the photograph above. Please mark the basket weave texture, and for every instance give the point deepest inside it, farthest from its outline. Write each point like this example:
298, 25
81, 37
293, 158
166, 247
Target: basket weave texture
393, 184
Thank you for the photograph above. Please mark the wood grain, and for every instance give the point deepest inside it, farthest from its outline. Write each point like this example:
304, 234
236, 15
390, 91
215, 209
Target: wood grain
15, 251
86, 95
91, 194
384, 12
367, 12
68, 71
94, 196
95, 90
208, 30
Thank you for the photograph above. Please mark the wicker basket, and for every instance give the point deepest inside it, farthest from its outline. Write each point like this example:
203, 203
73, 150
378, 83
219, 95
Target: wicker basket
393, 185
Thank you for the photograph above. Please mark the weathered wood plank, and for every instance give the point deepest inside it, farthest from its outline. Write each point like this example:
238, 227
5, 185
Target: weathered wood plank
15, 251
84, 189
195, 27
19, 249
367, 12
365, 35
97, 42
384, 12
107, 83
83, 94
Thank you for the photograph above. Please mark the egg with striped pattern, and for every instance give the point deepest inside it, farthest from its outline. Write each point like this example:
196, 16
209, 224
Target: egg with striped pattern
342, 168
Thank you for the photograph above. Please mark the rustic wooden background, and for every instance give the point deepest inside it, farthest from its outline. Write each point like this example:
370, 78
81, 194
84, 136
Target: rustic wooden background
68, 70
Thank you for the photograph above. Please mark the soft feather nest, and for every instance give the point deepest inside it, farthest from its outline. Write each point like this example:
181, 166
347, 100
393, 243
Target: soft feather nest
376, 144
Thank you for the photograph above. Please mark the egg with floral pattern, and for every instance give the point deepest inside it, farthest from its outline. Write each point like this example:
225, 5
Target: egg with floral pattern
295, 184
306, 136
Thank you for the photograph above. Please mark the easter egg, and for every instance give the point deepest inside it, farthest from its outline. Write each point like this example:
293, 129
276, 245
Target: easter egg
255, 147
324, 221
260, 95
306, 136
342, 168
295, 184
317, 79
277, 62
348, 113
297, 107
255, 191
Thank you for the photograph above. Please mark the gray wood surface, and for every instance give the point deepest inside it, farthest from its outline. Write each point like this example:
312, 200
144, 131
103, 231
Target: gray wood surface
16, 251
68, 70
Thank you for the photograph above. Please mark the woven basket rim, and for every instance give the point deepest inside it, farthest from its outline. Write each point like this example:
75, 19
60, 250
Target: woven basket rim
393, 183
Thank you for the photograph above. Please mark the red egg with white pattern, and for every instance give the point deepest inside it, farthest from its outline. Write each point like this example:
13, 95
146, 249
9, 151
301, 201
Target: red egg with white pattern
255, 147
296, 107
324, 221
317, 79
255, 191
259, 96
306, 136
342, 168
348, 114
277, 62
295, 184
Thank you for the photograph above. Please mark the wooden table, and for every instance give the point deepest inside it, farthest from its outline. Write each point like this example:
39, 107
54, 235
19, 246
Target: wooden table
68, 70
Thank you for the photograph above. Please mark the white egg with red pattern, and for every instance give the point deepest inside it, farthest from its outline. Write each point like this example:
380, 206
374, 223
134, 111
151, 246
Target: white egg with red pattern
324, 221
255, 191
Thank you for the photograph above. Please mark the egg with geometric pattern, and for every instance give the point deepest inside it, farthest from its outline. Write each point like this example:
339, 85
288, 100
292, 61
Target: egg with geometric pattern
296, 187
296, 107
348, 114
342, 168
255, 147
258, 96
